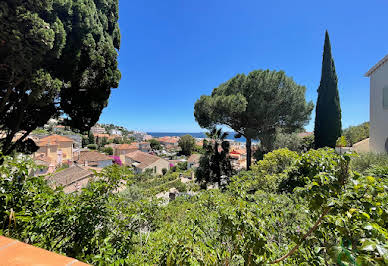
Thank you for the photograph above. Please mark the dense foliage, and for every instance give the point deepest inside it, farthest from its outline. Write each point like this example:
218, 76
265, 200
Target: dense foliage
187, 144
355, 134
155, 144
328, 126
255, 106
214, 165
56, 58
293, 141
296, 209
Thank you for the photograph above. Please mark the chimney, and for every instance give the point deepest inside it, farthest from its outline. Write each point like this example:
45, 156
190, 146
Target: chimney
86, 163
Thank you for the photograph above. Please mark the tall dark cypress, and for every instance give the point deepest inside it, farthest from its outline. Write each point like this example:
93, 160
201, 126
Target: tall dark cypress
328, 110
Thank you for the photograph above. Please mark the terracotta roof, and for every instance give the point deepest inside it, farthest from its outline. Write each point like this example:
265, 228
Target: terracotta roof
194, 158
377, 66
70, 175
54, 140
305, 134
101, 135
14, 252
144, 159
134, 145
169, 139
92, 156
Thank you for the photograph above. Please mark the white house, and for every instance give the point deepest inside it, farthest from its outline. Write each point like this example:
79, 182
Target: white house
115, 132
378, 133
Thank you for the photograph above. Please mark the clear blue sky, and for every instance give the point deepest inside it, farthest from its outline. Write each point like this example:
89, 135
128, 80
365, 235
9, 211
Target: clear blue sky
174, 51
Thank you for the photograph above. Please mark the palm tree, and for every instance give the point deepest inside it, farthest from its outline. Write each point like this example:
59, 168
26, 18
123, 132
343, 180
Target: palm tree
215, 163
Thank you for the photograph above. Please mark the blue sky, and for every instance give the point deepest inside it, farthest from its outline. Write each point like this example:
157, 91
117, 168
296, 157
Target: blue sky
174, 51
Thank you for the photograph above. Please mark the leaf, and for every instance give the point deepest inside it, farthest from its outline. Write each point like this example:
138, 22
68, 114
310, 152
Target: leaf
368, 245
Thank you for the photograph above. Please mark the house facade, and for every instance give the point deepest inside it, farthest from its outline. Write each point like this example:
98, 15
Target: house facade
97, 130
193, 161
58, 148
378, 132
123, 149
142, 161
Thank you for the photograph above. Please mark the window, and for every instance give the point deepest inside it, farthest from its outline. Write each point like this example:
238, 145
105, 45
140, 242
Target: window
385, 97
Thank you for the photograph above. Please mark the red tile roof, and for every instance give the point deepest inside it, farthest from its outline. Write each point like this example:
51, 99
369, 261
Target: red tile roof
305, 134
92, 156
169, 139
143, 158
54, 140
133, 145
69, 176
194, 158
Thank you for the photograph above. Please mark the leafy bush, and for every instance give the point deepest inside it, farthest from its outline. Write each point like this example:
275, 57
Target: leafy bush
355, 134
327, 215
164, 171
108, 150
266, 174
92, 146
289, 141
364, 161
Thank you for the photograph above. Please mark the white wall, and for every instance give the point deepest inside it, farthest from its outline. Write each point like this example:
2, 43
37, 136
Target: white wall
378, 115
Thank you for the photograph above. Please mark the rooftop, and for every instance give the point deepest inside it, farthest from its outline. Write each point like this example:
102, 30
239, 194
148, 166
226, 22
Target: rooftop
92, 156
70, 175
377, 66
133, 145
54, 140
14, 252
194, 158
144, 159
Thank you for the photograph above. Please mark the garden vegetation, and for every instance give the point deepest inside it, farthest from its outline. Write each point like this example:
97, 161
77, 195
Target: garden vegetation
292, 208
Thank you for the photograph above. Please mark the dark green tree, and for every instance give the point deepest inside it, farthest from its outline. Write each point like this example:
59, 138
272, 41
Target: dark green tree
186, 143
215, 162
104, 141
255, 106
91, 139
57, 58
327, 127
85, 141
155, 144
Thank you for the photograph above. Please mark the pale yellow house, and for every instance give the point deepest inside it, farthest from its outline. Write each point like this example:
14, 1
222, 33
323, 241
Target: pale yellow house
58, 149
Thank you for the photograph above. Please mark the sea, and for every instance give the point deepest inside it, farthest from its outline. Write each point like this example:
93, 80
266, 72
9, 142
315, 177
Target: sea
194, 135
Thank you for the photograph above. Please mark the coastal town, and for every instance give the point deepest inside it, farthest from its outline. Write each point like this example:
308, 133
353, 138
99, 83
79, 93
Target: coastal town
193, 133
70, 160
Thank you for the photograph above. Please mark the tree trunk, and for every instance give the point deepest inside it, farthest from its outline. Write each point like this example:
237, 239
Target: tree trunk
248, 144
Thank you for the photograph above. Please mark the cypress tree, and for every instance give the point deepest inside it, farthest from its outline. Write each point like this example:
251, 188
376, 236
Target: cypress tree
328, 110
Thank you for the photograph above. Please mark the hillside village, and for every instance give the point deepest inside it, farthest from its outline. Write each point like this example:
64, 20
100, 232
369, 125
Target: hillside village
70, 159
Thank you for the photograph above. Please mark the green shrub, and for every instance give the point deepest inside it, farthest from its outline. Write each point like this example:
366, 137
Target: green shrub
164, 171
108, 150
249, 223
266, 174
92, 146
366, 160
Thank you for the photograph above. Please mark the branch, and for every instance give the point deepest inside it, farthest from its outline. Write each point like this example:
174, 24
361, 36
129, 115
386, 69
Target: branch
312, 229
20, 140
